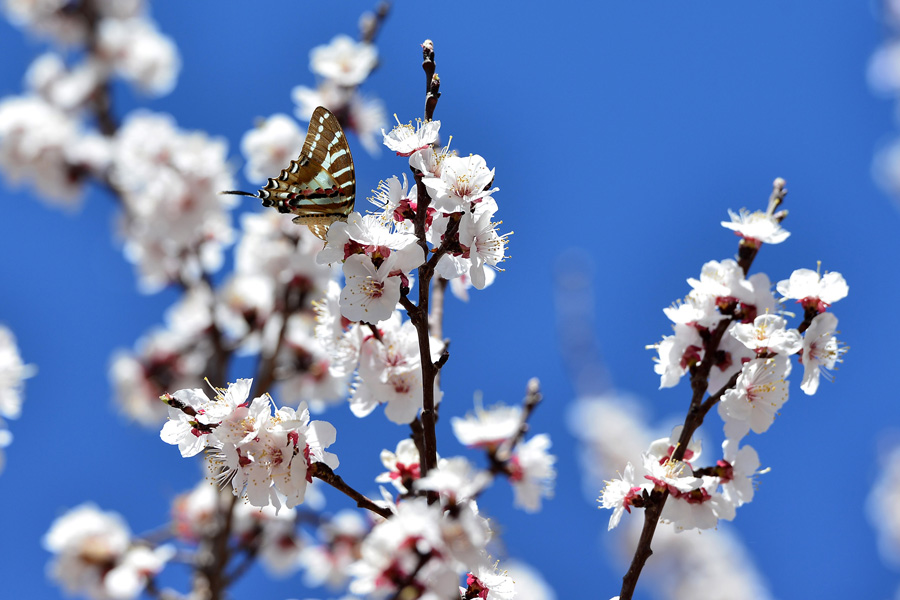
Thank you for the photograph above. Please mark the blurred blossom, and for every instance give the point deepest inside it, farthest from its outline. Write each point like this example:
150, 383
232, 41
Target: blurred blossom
533, 475
343, 65
530, 584
886, 168
176, 223
367, 117
164, 360
410, 545
328, 562
883, 507
327, 94
274, 533
344, 61
67, 89
271, 146
95, 556
884, 68
487, 427
13, 373
305, 368
139, 53
47, 18
168, 358
12, 376
38, 144
715, 566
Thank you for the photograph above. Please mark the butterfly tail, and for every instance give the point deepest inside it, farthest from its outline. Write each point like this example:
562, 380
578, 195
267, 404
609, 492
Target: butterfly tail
238, 193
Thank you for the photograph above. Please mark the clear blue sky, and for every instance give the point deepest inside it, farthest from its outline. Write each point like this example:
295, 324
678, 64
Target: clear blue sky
622, 129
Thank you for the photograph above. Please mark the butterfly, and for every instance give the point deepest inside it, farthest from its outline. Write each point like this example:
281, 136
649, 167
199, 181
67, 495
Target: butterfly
320, 185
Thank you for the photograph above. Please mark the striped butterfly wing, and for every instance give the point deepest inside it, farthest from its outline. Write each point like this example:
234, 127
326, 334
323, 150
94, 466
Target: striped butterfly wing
319, 187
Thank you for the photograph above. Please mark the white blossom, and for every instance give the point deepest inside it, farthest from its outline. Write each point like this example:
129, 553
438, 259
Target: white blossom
344, 61
271, 146
757, 227
533, 475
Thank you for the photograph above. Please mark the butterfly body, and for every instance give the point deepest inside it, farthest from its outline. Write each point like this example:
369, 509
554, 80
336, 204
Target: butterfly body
319, 187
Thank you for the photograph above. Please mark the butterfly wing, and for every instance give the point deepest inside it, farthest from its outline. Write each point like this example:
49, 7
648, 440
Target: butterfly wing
319, 187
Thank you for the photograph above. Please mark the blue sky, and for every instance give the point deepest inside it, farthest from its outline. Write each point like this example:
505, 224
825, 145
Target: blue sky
621, 130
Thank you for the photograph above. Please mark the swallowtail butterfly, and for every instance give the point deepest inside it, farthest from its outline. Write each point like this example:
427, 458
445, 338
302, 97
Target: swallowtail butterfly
320, 186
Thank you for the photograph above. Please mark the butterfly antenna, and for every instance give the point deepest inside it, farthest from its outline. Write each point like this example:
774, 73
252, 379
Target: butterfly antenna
238, 193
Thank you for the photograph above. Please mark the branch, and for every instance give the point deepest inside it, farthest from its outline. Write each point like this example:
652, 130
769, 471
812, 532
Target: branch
696, 412
432, 81
371, 23
533, 397
324, 472
213, 556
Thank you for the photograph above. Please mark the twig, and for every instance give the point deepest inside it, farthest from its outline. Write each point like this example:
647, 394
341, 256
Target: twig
432, 81
210, 582
533, 397
372, 22
324, 472
265, 372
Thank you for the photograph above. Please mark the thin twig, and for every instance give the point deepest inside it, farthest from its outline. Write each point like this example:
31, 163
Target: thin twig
324, 472
265, 372
372, 22
533, 397
432, 81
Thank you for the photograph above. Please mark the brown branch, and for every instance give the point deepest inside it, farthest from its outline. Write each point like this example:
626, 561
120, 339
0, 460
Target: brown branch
696, 412
218, 364
322, 471
747, 250
400, 594
533, 397
418, 314
265, 372
371, 23
417, 434
213, 556
101, 99
432, 81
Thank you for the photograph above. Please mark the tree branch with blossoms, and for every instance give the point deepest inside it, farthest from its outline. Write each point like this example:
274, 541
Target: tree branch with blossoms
730, 336
351, 341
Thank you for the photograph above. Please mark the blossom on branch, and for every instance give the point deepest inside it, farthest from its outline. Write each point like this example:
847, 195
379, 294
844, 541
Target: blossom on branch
264, 456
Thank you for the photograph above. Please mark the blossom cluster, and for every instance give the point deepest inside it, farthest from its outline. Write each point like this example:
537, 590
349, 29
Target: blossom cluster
262, 307
45, 136
343, 64
425, 546
612, 430
176, 226
273, 534
265, 456
731, 330
359, 325
95, 555
380, 251
268, 458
